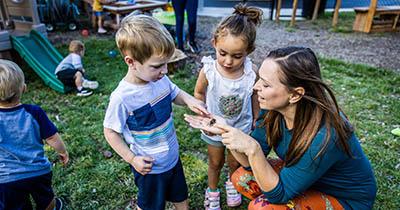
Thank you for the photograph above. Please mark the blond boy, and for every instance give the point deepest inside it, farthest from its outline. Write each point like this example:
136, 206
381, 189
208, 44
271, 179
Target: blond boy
140, 114
24, 169
71, 73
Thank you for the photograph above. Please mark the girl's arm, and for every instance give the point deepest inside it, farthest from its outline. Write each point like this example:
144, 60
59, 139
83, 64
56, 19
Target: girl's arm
201, 86
254, 101
58, 145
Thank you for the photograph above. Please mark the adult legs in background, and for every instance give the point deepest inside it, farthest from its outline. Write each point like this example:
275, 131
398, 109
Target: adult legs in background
191, 8
179, 8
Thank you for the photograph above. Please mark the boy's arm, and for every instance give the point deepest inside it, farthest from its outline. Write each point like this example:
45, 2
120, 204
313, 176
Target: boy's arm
58, 145
201, 86
141, 164
196, 105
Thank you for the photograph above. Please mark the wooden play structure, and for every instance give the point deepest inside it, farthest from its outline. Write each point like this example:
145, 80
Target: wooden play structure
315, 11
18, 17
377, 18
21, 32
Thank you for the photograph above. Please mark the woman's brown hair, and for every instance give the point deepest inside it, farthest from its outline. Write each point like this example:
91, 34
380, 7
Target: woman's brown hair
242, 23
318, 107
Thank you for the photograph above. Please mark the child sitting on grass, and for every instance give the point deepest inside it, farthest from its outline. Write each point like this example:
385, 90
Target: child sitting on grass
71, 72
140, 112
24, 169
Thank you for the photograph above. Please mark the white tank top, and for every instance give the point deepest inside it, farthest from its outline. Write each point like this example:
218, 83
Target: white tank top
230, 98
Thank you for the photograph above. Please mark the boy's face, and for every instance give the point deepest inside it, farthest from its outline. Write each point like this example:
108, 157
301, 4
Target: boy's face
151, 70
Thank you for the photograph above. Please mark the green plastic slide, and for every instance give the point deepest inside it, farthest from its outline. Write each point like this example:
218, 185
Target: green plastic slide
41, 56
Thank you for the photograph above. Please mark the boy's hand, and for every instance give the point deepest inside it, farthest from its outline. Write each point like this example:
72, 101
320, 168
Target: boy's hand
197, 106
142, 164
64, 158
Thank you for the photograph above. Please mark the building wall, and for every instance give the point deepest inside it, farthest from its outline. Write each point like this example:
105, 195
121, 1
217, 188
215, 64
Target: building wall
288, 3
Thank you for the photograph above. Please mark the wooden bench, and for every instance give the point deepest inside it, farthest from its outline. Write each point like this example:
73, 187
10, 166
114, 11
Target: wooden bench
377, 18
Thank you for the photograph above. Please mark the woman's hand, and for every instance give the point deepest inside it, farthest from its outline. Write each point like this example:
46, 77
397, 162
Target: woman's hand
235, 139
206, 123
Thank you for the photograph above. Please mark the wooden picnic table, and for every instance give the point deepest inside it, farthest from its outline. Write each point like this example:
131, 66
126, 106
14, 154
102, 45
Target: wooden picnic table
123, 7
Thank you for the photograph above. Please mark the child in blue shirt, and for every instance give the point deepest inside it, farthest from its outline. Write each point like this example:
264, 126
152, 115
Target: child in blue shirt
140, 114
24, 169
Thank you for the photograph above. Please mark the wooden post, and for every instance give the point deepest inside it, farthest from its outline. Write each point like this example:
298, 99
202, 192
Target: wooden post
370, 16
292, 22
316, 9
278, 10
336, 13
396, 19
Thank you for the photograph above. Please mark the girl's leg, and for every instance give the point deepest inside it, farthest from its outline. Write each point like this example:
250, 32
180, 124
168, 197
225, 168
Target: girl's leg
233, 198
184, 205
191, 8
216, 160
179, 8
312, 200
233, 164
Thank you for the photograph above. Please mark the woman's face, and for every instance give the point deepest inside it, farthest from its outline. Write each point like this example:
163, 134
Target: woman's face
272, 94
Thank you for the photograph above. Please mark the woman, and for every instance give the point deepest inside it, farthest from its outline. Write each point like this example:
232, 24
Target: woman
321, 166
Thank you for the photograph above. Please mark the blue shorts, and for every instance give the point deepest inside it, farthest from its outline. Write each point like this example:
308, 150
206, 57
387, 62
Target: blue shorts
16, 195
98, 13
155, 189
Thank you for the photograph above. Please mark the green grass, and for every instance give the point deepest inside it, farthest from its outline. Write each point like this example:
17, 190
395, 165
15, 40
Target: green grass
369, 96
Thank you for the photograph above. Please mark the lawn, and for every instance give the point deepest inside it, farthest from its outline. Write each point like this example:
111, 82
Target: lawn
369, 96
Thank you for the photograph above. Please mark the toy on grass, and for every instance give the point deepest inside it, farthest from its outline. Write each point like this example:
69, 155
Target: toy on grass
112, 53
396, 131
85, 33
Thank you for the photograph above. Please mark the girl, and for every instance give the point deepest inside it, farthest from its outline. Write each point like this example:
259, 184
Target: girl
321, 165
225, 84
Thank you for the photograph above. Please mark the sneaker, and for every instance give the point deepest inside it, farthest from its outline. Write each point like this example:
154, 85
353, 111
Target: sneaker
193, 47
101, 31
59, 204
211, 200
90, 84
84, 92
233, 198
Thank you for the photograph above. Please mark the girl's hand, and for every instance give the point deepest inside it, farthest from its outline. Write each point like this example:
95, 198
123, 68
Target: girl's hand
142, 164
206, 123
235, 139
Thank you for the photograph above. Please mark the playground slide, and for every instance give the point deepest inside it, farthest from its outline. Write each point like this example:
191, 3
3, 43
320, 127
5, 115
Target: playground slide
41, 56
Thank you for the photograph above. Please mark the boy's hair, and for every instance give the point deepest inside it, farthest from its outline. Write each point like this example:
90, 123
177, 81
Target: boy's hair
242, 23
76, 46
142, 36
11, 81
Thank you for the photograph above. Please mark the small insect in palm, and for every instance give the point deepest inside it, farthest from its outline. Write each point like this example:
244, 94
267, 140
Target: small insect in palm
212, 122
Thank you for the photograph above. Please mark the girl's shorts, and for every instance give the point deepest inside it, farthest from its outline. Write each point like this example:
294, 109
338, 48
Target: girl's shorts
210, 141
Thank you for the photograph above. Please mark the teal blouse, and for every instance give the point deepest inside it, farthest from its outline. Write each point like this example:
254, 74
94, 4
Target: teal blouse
349, 179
